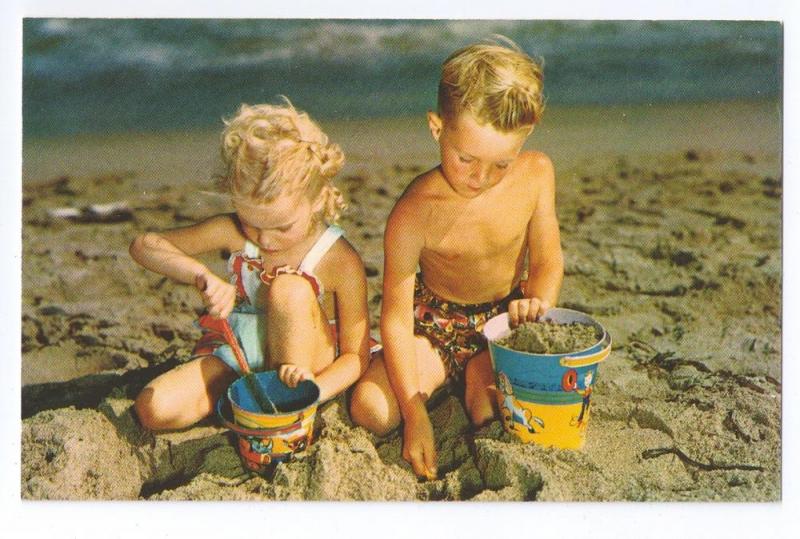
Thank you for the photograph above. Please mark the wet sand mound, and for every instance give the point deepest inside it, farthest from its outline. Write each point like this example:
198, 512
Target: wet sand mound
550, 338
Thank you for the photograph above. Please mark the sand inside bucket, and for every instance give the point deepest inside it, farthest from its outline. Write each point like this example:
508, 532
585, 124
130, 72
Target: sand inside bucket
550, 338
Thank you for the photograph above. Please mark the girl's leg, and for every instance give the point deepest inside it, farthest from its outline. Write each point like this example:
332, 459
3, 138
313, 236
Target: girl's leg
297, 330
480, 393
184, 395
373, 404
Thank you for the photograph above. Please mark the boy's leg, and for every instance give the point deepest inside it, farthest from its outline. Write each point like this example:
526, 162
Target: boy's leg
480, 392
374, 405
297, 331
184, 395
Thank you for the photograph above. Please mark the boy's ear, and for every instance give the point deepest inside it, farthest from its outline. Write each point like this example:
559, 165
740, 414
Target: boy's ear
435, 124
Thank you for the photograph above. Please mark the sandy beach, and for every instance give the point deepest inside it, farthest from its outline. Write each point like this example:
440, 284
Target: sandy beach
670, 218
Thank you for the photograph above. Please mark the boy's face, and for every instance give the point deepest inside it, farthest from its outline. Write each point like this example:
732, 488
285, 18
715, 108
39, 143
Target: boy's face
475, 157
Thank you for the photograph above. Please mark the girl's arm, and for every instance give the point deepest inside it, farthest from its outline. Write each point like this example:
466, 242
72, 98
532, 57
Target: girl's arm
171, 253
352, 315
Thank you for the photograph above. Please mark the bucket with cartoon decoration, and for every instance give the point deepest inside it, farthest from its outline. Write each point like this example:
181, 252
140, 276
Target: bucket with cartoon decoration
266, 438
545, 398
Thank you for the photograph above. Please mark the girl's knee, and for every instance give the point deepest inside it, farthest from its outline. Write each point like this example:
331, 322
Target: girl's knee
157, 410
370, 408
147, 409
288, 289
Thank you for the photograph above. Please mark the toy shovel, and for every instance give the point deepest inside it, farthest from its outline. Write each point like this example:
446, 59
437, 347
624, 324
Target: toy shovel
222, 326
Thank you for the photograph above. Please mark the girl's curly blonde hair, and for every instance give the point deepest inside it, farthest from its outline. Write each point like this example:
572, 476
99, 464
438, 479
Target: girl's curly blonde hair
496, 82
270, 150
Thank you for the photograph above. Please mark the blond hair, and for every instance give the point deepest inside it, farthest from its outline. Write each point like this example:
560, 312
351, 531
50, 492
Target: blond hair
269, 150
497, 83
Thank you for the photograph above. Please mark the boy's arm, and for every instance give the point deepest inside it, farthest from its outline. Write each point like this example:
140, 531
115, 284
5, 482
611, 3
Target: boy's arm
402, 246
403, 242
545, 259
352, 318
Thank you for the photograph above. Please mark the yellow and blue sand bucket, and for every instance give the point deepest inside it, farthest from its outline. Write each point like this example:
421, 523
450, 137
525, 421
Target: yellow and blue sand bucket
544, 398
267, 438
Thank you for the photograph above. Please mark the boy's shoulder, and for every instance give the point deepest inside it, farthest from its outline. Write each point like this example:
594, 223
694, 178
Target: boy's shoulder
535, 163
533, 173
428, 187
427, 184
422, 190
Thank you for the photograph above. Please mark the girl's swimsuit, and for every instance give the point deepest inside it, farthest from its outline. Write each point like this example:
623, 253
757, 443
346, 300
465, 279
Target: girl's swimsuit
454, 329
248, 319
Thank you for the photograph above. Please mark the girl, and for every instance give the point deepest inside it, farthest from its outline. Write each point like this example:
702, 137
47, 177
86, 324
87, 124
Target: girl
290, 271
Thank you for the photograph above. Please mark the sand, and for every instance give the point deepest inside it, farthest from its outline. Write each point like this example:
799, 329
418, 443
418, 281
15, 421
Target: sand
670, 221
550, 338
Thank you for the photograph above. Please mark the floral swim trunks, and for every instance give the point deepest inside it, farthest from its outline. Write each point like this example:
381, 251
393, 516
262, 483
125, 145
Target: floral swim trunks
454, 329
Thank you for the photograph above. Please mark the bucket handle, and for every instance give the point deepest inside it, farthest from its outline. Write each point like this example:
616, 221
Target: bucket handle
582, 361
254, 432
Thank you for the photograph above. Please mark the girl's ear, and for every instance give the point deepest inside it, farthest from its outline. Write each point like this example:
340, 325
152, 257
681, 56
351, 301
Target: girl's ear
435, 124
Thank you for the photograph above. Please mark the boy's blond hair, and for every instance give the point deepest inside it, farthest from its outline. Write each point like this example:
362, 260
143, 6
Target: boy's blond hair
498, 84
269, 150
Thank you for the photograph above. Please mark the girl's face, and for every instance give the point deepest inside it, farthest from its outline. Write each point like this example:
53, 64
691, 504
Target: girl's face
475, 157
277, 225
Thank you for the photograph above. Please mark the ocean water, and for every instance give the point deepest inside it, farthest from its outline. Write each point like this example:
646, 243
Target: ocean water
113, 75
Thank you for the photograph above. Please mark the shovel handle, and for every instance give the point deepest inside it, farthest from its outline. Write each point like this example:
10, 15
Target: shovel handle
222, 325
233, 342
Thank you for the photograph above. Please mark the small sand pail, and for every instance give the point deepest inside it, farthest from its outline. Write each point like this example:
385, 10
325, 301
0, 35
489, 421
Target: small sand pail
544, 398
268, 438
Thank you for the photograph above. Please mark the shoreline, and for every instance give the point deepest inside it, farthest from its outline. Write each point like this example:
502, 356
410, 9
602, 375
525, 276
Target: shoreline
181, 156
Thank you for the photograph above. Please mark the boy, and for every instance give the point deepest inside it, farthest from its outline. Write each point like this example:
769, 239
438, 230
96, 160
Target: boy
467, 224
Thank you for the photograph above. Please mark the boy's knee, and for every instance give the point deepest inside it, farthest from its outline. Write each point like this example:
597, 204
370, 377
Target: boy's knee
480, 403
369, 409
287, 290
481, 414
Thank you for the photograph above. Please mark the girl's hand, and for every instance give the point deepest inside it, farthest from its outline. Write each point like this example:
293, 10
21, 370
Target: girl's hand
218, 296
291, 375
526, 310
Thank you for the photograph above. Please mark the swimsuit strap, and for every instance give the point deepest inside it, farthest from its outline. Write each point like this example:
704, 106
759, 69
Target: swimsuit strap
318, 250
251, 250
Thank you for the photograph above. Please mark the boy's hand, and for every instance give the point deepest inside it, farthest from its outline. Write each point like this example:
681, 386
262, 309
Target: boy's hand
418, 446
526, 310
291, 375
218, 296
